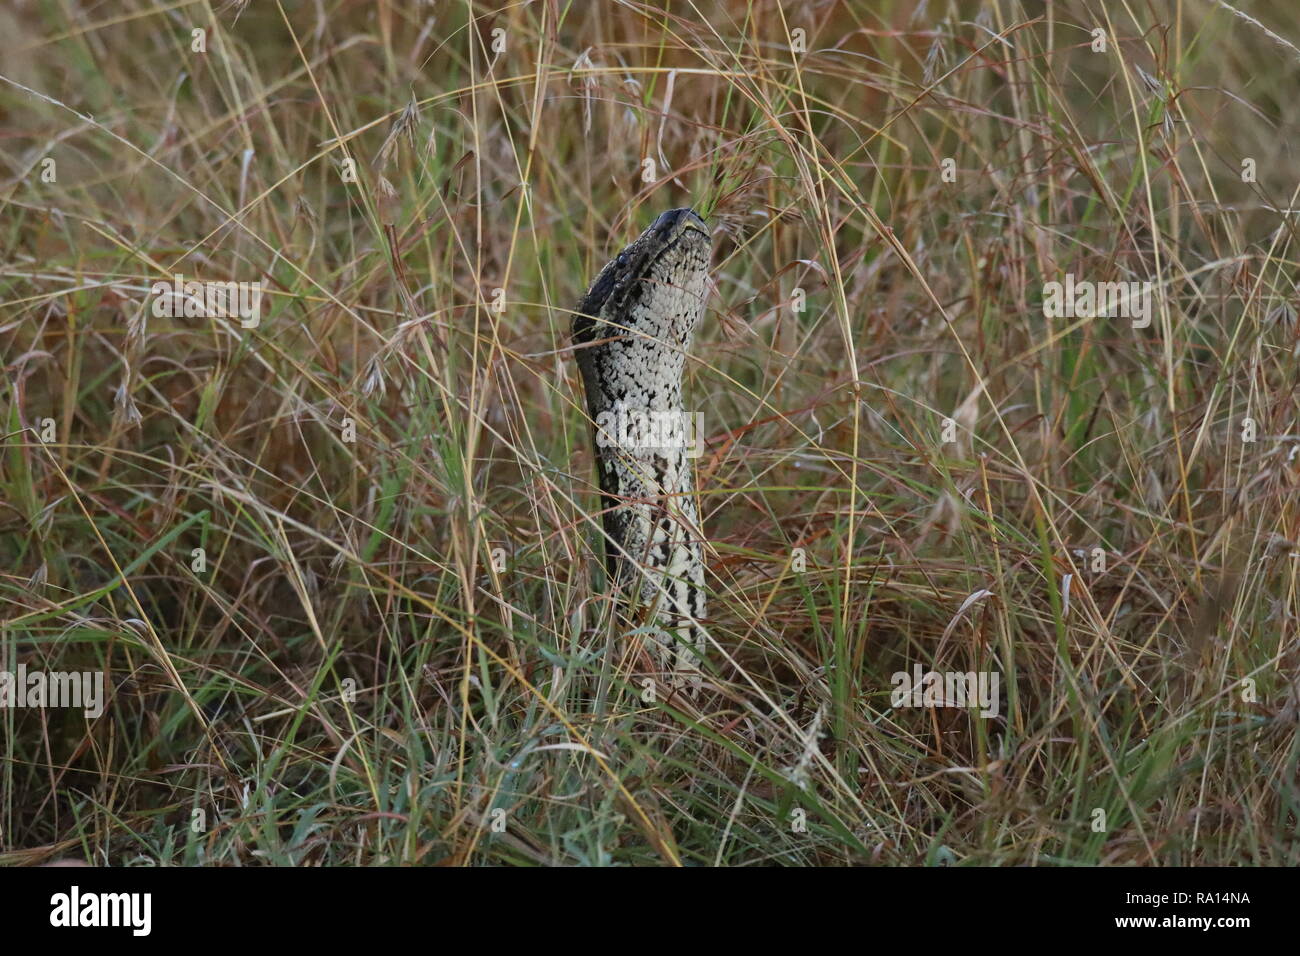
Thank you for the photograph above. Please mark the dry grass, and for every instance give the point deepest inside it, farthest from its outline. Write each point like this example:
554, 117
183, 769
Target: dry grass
350, 681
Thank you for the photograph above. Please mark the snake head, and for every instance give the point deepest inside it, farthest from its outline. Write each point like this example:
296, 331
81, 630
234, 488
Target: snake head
663, 272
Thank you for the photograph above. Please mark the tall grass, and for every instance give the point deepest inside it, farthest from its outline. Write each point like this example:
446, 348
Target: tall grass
395, 645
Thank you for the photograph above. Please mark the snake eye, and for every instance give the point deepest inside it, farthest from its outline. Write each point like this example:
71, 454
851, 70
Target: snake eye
622, 258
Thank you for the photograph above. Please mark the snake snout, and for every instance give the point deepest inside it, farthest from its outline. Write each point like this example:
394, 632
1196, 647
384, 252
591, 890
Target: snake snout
673, 223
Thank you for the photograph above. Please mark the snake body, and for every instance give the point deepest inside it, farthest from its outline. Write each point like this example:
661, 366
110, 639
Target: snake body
632, 332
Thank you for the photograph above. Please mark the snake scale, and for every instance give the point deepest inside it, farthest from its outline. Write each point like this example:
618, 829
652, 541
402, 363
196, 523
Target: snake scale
631, 333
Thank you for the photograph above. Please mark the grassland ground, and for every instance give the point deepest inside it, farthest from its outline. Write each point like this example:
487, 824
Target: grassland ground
338, 561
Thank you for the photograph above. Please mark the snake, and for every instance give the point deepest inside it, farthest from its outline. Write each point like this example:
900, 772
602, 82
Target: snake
632, 332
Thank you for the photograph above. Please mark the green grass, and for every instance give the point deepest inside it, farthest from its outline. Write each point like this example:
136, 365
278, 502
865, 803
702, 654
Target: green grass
397, 648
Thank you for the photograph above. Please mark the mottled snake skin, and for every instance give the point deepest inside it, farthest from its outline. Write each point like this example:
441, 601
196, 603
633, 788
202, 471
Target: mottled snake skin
641, 312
